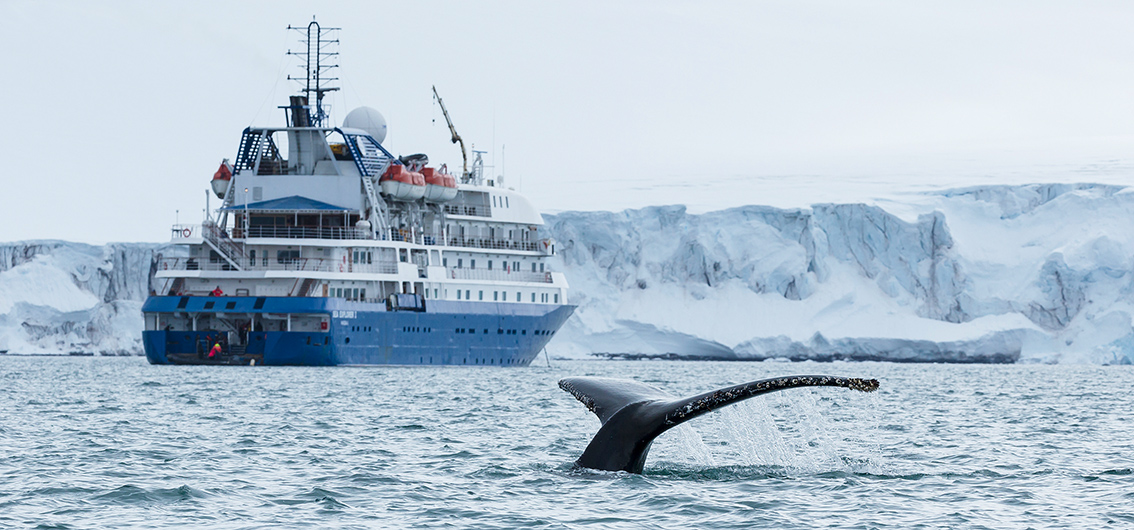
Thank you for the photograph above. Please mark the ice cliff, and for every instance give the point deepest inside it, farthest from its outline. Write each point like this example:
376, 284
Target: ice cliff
1038, 273
60, 297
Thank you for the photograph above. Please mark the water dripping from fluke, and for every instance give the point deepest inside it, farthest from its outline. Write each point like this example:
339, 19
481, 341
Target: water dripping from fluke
633, 414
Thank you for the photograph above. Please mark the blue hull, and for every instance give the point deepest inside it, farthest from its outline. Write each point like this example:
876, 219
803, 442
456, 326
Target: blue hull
360, 333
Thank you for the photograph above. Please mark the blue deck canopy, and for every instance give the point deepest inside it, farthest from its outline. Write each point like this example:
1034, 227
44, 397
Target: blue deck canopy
294, 203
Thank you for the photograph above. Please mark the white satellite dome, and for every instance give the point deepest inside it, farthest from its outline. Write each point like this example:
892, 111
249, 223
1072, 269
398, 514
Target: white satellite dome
369, 120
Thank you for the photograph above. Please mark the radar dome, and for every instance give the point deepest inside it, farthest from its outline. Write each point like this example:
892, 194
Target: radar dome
369, 120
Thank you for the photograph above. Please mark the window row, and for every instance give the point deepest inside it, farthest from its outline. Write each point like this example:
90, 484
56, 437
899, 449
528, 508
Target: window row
500, 202
502, 296
502, 331
353, 294
504, 266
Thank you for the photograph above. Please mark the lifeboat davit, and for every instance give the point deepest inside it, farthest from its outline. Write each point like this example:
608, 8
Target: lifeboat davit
222, 178
439, 186
403, 185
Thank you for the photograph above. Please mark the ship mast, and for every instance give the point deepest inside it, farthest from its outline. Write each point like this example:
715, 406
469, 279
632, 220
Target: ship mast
318, 60
456, 138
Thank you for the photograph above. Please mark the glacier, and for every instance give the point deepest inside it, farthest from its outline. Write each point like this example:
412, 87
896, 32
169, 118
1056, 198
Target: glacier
59, 297
1028, 273
1020, 273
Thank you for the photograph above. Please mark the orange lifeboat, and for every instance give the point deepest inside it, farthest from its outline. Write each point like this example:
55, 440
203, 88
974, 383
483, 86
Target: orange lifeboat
222, 178
403, 185
439, 186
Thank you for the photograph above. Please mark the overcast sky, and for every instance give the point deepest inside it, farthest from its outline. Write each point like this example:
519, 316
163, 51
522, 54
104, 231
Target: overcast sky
117, 113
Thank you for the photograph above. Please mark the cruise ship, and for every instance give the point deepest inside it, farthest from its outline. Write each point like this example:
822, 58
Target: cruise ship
328, 250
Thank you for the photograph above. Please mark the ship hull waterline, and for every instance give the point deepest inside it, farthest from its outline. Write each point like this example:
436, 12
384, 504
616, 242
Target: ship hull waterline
443, 332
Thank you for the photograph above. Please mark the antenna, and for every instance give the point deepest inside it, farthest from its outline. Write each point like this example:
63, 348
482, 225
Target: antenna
318, 60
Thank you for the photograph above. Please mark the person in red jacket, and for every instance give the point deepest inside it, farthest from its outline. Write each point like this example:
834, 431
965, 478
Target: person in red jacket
213, 353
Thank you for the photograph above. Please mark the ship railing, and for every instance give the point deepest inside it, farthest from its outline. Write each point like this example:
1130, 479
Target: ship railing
222, 237
407, 236
286, 264
182, 231
218, 238
494, 244
498, 275
303, 232
464, 209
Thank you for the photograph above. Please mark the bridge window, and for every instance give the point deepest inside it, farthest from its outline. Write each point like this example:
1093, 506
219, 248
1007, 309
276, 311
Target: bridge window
495, 296
489, 264
518, 299
557, 298
472, 263
460, 263
481, 296
541, 267
533, 266
252, 258
458, 294
444, 262
467, 296
533, 298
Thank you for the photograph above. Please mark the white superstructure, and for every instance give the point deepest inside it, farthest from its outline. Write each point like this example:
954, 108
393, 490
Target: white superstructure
304, 214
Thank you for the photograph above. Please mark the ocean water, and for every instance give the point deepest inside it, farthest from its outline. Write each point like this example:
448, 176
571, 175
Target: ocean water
117, 443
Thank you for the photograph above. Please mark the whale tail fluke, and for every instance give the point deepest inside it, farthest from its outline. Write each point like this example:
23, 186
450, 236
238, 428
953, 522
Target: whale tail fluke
633, 414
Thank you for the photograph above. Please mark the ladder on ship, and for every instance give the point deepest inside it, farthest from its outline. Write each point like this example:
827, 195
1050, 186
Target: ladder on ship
304, 287
216, 238
254, 145
371, 167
